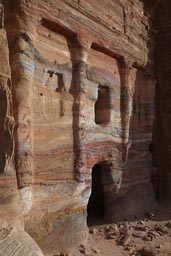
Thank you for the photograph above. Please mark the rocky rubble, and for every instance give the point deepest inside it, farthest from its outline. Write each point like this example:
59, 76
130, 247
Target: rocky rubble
144, 237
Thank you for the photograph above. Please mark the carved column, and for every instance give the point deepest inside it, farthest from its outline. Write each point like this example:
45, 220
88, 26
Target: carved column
22, 69
79, 54
126, 107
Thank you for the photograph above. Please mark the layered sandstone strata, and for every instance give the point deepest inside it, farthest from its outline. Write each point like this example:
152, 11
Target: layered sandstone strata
83, 95
13, 239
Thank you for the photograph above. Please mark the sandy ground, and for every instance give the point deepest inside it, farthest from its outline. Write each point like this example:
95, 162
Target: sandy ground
149, 235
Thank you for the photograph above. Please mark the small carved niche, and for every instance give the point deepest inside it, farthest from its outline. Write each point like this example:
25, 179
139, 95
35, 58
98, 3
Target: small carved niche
50, 79
102, 105
61, 85
55, 80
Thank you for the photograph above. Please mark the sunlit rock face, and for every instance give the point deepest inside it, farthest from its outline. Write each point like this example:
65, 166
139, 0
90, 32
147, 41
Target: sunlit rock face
77, 92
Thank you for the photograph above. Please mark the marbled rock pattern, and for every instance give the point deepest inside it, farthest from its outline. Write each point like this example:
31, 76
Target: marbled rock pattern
15, 241
77, 79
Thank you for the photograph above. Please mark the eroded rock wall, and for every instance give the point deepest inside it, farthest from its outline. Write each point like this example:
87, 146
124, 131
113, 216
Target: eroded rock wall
13, 239
83, 93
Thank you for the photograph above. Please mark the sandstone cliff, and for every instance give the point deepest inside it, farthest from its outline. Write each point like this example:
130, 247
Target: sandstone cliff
77, 88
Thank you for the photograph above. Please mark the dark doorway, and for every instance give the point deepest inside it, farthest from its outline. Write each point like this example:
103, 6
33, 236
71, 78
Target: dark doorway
96, 207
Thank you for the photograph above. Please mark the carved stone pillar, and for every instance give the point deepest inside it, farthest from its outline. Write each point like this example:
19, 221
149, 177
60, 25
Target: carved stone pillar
79, 54
11, 230
22, 69
126, 107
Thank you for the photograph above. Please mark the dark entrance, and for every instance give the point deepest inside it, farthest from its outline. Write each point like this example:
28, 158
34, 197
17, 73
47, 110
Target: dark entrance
96, 207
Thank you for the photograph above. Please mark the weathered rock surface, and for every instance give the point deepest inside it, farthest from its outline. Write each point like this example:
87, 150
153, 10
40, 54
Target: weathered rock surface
15, 241
76, 78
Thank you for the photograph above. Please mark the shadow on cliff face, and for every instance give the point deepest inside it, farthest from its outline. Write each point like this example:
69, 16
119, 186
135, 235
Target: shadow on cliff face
159, 50
153, 155
137, 157
162, 125
139, 161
